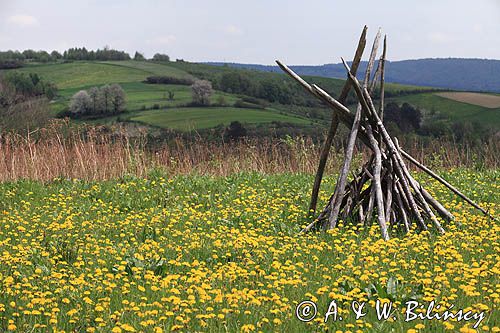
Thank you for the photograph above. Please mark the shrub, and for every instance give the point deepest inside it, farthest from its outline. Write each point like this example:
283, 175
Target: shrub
164, 79
235, 131
247, 105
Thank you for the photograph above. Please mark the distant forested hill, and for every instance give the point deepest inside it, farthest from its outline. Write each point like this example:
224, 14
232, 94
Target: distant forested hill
451, 73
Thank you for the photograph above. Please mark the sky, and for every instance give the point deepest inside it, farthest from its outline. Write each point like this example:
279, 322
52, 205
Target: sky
309, 32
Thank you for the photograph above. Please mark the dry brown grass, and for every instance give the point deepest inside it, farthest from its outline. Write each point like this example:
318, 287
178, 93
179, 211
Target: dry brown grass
90, 154
484, 100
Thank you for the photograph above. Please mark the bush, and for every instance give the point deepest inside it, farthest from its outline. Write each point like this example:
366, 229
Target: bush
234, 82
235, 131
163, 79
10, 64
254, 100
247, 105
81, 103
406, 117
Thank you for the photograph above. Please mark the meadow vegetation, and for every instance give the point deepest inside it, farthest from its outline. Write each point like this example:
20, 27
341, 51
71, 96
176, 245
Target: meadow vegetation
211, 254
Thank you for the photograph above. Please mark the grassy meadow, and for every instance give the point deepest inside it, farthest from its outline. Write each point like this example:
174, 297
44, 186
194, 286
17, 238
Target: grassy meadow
71, 77
222, 254
149, 104
186, 119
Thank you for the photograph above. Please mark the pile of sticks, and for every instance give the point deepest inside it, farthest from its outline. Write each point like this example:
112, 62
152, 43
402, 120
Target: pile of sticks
383, 189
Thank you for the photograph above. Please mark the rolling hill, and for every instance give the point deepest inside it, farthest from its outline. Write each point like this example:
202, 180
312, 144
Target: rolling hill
147, 104
451, 73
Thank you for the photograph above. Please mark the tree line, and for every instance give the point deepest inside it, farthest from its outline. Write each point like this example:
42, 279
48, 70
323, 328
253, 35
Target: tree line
14, 59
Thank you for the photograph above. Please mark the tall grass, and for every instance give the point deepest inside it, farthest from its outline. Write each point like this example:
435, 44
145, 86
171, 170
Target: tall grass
93, 153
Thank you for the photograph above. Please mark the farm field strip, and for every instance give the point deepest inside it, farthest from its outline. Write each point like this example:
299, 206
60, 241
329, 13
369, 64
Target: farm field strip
189, 118
485, 100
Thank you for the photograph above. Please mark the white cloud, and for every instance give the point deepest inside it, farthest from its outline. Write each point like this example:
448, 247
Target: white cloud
23, 20
233, 30
162, 40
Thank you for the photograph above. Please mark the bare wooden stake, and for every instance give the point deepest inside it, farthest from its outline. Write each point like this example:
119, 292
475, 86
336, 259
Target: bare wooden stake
325, 151
382, 79
340, 186
444, 182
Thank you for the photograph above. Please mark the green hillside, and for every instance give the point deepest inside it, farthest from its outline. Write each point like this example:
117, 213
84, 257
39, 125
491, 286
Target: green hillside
436, 106
83, 74
186, 119
150, 103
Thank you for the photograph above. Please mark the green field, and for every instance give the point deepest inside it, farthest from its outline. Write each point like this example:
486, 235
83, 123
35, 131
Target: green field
74, 76
85, 74
82, 74
211, 254
186, 119
141, 95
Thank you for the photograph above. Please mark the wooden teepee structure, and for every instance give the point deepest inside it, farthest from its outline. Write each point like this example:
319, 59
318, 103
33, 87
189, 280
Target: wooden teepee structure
383, 188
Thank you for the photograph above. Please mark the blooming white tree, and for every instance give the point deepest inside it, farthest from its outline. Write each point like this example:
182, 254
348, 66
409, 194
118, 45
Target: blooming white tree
117, 97
81, 103
201, 90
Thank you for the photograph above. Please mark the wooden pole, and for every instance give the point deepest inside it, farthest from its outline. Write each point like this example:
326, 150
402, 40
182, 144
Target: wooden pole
444, 182
379, 196
325, 151
341, 182
382, 80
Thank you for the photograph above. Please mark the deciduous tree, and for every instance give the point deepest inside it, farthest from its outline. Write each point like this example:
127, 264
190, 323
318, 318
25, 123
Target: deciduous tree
201, 90
80, 103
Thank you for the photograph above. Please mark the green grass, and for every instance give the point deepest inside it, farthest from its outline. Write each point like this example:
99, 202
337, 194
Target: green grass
153, 68
80, 74
84, 74
453, 110
211, 254
186, 119
141, 95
